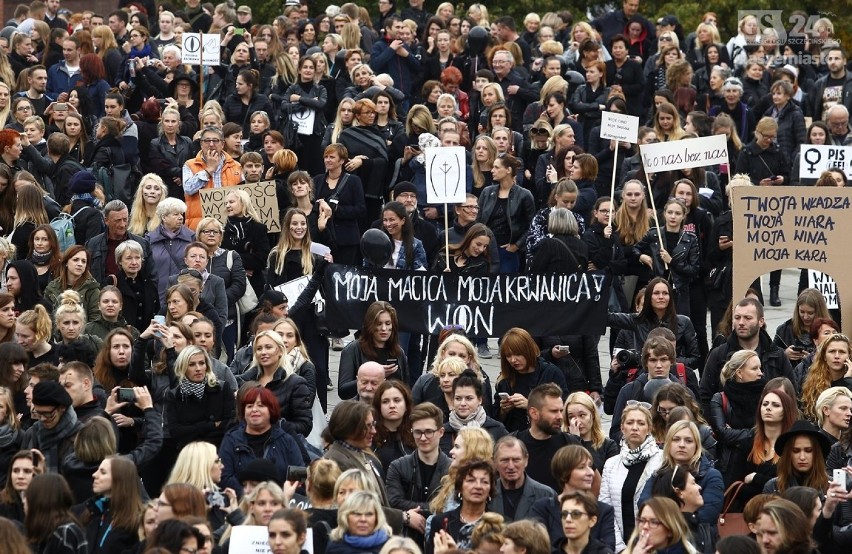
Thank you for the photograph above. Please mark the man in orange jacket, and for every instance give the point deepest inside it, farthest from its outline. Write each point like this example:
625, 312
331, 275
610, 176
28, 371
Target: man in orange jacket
211, 168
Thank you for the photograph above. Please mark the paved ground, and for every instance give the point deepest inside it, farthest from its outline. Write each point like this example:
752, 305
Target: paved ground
774, 318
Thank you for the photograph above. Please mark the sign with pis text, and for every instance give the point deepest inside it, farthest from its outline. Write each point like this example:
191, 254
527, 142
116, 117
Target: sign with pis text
682, 154
425, 302
263, 198
254, 539
816, 158
621, 127
794, 227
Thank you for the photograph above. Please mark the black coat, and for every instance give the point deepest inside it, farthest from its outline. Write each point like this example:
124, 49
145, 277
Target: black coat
560, 254
250, 240
686, 258
349, 209
293, 396
167, 161
88, 223
582, 367
239, 113
193, 419
761, 164
106, 152
141, 300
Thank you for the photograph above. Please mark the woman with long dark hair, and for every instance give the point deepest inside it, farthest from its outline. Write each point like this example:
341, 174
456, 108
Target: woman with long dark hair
802, 452
75, 275
50, 525
247, 100
392, 406
45, 254
409, 252
112, 514
377, 342
470, 256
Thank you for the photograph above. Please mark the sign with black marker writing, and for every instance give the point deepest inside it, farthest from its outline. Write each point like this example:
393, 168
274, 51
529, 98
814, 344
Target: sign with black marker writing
816, 158
682, 154
621, 127
254, 539
263, 198
794, 227
484, 306
826, 286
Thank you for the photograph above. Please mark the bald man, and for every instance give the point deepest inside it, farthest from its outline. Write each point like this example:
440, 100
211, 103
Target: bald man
370, 376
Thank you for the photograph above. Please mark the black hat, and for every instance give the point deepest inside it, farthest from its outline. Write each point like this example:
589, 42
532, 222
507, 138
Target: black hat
669, 20
259, 469
50, 393
802, 427
404, 186
193, 83
274, 297
82, 182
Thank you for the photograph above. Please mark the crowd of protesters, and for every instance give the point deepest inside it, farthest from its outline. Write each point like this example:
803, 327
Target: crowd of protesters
158, 390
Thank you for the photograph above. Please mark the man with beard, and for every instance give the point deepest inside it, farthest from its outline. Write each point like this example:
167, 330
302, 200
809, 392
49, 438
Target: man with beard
545, 436
747, 334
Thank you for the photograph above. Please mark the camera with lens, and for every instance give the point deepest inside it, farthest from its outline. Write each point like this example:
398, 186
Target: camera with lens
297, 473
628, 359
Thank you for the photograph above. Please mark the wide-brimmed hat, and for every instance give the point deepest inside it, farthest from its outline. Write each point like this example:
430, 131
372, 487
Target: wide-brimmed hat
183, 77
802, 427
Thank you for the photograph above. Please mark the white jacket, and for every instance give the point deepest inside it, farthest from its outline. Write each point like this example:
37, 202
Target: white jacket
612, 481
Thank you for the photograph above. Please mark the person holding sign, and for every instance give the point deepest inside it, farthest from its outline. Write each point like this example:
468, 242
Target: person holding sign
211, 168
305, 101
673, 254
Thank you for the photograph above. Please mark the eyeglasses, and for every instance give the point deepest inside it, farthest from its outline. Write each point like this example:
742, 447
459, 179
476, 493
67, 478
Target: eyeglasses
634, 403
428, 433
370, 425
666, 38
471, 208
573, 514
539, 131
45, 416
603, 211
191, 272
209, 232
650, 522
211, 141
26, 108
406, 195
663, 411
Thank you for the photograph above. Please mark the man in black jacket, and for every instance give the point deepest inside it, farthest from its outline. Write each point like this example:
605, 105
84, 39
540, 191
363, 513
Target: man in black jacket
414, 479
516, 491
748, 334
58, 147
516, 89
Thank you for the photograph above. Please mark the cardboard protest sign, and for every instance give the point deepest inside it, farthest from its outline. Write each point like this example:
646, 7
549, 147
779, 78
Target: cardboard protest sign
263, 198
484, 306
445, 175
816, 158
621, 127
781, 227
682, 154
254, 539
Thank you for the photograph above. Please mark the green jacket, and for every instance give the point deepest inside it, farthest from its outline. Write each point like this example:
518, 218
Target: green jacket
89, 293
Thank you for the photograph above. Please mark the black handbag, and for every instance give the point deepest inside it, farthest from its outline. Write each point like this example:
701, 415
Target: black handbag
290, 130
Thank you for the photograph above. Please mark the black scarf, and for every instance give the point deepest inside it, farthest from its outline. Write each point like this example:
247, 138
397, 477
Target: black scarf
47, 440
41, 259
743, 398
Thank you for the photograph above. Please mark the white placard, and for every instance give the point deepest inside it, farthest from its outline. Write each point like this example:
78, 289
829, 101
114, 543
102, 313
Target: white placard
304, 118
816, 158
191, 49
292, 289
211, 55
445, 175
254, 539
621, 127
680, 154
824, 283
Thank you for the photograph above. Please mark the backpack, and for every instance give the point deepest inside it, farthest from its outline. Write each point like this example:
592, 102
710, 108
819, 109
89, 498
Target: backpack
119, 181
63, 226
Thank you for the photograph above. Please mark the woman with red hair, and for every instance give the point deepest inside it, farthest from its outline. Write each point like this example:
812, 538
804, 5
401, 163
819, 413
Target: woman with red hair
451, 78
260, 412
93, 77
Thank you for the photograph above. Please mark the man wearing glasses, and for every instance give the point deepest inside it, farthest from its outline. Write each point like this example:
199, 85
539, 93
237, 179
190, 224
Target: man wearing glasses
211, 168
466, 213
55, 426
413, 479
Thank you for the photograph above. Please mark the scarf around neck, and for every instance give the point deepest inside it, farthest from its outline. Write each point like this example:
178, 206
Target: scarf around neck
42, 258
638, 455
7, 435
188, 388
377, 539
476, 419
47, 440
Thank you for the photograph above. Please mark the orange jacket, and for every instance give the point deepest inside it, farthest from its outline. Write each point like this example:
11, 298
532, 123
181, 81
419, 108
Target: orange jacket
231, 175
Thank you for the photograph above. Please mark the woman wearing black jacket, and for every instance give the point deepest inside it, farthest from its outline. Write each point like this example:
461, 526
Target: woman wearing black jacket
672, 252
107, 150
344, 194
562, 251
303, 98
170, 151
246, 235
240, 106
199, 407
471, 256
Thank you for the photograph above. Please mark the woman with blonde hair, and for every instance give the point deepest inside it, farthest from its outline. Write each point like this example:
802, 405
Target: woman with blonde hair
29, 213
344, 118
143, 213
5, 98
830, 368
246, 235
361, 525
32, 332
258, 506
198, 464
471, 443
484, 153
583, 420
427, 386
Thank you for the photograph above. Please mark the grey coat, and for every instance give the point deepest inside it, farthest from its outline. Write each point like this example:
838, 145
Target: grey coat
533, 491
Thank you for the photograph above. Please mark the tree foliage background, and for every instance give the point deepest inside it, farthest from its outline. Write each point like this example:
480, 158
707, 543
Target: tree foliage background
688, 11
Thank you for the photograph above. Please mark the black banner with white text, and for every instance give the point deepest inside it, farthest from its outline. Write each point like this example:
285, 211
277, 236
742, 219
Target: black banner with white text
425, 302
